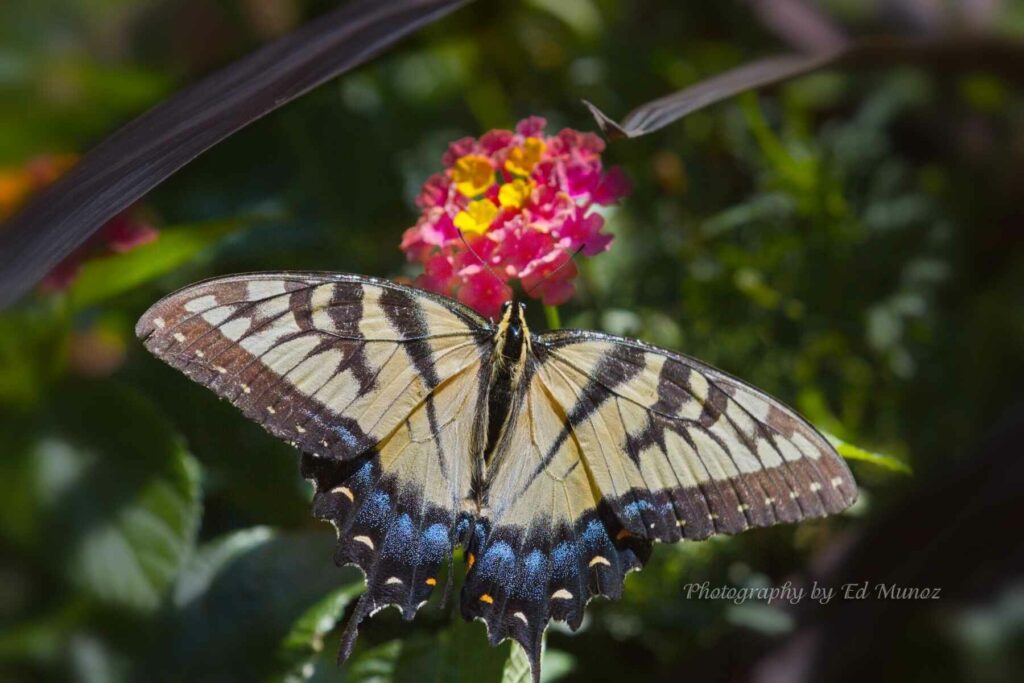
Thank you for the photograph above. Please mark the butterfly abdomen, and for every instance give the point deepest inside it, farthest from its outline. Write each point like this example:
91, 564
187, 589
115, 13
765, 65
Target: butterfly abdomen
511, 351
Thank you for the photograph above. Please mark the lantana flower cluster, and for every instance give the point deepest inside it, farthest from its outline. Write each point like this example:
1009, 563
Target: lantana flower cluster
121, 233
523, 203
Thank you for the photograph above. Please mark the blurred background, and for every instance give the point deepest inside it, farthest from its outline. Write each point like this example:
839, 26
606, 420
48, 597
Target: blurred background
850, 242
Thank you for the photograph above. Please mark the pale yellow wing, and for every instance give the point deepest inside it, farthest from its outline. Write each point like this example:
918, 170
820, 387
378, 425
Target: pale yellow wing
331, 363
618, 445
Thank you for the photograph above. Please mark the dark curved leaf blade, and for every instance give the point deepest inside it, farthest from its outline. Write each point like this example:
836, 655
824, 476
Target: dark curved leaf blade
139, 156
954, 53
658, 113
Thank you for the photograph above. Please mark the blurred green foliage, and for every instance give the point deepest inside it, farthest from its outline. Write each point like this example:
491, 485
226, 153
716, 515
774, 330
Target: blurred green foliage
849, 242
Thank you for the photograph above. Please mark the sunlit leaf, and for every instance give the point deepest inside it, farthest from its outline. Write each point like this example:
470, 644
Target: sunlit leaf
851, 452
206, 564
376, 665
554, 665
106, 277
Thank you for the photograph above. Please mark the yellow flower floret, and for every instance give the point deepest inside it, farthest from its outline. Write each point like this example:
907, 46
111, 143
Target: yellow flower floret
513, 195
473, 175
521, 160
477, 217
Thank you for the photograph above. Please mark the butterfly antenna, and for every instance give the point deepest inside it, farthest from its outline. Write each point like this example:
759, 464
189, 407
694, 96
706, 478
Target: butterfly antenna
572, 259
478, 256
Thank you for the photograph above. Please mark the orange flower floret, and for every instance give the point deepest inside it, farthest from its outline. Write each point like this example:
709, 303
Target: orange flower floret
473, 175
14, 187
521, 160
477, 217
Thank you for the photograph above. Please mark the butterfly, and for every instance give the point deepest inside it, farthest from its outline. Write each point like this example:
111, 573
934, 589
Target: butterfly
554, 460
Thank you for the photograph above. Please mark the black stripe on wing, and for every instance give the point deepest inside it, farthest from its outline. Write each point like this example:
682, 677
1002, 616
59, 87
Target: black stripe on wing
754, 461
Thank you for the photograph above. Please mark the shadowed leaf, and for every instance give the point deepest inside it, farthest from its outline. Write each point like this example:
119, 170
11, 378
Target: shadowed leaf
306, 639
121, 493
143, 153
258, 585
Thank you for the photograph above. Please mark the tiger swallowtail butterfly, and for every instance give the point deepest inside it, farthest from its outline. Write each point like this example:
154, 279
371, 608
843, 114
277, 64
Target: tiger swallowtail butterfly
555, 460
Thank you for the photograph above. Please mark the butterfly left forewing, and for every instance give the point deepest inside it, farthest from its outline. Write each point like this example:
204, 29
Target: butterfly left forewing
331, 363
699, 450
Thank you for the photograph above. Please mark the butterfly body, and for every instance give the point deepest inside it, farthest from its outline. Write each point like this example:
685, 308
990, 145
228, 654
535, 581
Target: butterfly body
555, 460
511, 355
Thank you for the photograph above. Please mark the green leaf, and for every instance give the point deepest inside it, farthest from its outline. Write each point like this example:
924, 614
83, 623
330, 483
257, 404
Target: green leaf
106, 277
240, 598
851, 452
517, 666
554, 665
306, 638
121, 494
206, 564
460, 653
376, 665
32, 351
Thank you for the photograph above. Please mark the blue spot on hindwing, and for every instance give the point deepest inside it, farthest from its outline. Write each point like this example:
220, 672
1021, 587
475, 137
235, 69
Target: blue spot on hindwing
595, 536
435, 545
633, 509
498, 563
376, 510
565, 560
534, 580
364, 475
400, 539
347, 437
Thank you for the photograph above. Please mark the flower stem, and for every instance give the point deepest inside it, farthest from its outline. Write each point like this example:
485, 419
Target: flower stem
554, 321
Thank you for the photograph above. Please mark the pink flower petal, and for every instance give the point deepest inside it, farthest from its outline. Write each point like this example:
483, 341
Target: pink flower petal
531, 127
613, 187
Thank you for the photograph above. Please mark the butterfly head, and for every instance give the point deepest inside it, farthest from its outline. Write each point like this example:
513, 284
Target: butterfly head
512, 335
513, 311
